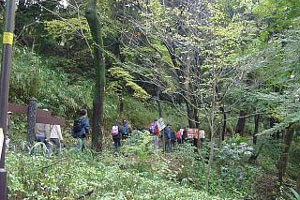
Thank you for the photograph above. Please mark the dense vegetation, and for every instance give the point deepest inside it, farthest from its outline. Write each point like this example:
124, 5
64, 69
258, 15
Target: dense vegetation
229, 67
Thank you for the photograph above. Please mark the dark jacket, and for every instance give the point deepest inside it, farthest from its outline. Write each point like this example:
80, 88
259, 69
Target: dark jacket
84, 127
167, 133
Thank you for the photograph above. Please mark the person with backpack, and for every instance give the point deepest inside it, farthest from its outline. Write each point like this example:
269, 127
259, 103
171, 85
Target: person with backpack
179, 135
167, 133
125, 130
116, 136
154, 131
81, 129
173, 137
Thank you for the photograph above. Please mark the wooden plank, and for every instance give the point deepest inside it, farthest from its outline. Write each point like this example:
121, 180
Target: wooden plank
53, 120
42, 115
17, 108
195, 133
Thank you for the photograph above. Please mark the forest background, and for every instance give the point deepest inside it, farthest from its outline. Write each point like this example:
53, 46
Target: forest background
229, 67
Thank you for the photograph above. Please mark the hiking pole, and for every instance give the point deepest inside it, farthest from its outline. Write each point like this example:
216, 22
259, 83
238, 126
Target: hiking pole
4, 86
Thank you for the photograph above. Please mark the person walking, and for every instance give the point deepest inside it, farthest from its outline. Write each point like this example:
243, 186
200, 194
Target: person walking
167, 133
154, 131
125, 130
116, 136
55, 139
42, 132
81, 129
179, 136
173, 137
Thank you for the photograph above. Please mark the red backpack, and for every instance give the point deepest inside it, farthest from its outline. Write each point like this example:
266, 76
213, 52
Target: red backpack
178, 135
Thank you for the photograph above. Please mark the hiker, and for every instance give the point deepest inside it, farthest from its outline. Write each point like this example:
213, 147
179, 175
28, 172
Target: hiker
116, 136
184, 135
42, 132
167, 133
125, 130
9, 130
55, 139
154, 131
179, 135
173, 136
81, 129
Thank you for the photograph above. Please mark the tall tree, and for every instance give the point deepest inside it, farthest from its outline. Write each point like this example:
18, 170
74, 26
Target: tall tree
98, 112
283, 160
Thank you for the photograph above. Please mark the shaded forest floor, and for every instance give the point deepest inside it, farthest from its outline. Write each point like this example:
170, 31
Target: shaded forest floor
139, 174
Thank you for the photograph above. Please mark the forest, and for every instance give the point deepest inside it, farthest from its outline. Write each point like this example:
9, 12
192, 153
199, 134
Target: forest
228, 67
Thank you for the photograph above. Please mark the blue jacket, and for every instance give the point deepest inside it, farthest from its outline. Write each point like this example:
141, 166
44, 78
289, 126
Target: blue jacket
167, 132
84, 127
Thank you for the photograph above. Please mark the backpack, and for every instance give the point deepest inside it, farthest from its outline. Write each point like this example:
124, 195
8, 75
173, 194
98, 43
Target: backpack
125, 129
178, 135
77, 127
115, 131
152, 128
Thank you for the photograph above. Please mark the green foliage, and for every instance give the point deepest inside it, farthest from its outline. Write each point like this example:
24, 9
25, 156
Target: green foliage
294, 195
124, 80
74, 175
65, 30
32, 76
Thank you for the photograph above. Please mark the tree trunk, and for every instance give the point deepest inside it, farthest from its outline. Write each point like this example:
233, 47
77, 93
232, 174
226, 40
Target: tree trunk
224, 123
240, 126
158, 103
121, 104
196, 116
298, 182
282, 163
190, 116
31, 120
256, 124
122, 60
272, 122
97, 120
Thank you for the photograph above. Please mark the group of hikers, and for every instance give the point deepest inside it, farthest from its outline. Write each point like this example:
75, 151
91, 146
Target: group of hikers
51, 135
169, 137
122, 131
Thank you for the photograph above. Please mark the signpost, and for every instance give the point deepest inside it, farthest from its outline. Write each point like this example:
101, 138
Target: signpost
4, 84
161, 124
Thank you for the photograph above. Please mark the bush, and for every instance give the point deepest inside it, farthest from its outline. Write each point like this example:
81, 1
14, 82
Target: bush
75, 175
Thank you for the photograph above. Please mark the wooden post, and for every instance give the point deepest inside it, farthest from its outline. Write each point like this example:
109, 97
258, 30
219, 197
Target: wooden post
31, 120
8, 37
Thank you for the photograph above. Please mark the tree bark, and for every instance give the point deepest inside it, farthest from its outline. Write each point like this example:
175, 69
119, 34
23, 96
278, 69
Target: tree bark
190, 115
158, 103
196, 116
272, 122
31, 120
282, 163
240, 126
256, 124
224, 123
122, 60
298, 182
121, 104
97, 120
